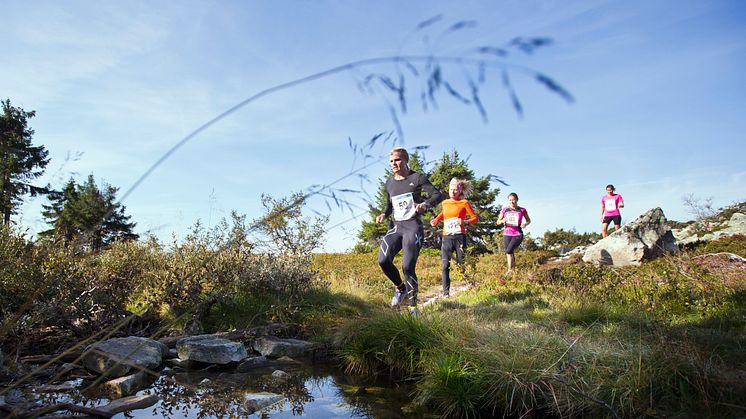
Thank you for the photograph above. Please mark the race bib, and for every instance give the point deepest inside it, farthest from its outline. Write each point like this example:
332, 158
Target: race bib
452, 225
512, 218
403, 206
610, 204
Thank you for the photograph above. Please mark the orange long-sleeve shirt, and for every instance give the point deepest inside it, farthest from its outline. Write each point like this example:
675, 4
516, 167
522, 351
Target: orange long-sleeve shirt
457, 209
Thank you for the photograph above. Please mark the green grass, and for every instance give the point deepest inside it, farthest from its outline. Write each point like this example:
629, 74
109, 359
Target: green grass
664, 339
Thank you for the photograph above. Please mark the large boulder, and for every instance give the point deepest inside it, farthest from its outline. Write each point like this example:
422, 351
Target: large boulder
210, 349
647, 237
116, 357
274, 347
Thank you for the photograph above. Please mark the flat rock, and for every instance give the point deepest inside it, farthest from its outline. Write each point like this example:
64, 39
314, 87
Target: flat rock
125, 404
116, 357
129, 384
274, 347
210, 349
251, 363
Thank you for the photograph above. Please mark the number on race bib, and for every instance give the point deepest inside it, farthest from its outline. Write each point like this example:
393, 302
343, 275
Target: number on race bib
610, 204
403, 206
512, 218
452, 225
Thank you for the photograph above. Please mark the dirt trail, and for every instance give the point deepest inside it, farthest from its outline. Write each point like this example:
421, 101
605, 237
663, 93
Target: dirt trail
434, 294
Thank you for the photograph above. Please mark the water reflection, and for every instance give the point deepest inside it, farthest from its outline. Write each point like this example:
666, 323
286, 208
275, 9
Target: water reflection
313, 391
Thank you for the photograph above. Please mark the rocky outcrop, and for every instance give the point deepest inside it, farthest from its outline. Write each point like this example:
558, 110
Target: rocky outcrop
702, 231
273, 347
210, 349
647, 237
116, 357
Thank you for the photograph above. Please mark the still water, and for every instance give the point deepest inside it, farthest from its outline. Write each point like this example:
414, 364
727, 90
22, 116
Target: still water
308, 390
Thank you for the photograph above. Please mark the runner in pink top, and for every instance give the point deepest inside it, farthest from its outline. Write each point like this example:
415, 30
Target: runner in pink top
610, 204
515, 219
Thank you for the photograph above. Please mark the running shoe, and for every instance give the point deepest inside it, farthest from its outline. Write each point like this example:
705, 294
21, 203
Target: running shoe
398, 298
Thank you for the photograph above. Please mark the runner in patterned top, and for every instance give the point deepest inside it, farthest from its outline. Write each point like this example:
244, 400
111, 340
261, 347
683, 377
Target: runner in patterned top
404, 203
454, 213
610, 204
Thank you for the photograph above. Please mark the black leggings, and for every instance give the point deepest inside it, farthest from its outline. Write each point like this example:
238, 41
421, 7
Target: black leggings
451, 243
511, 243
405, 235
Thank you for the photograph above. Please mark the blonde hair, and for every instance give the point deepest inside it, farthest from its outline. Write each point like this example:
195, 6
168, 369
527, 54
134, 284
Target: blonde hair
402, 151
466, 187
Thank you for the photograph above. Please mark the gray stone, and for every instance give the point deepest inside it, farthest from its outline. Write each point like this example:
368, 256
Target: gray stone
251, 363
254, 402
129, 384
210, 349
274, 347
173, 353
647, 237
280, 375
125, 404
693, 233
116, 357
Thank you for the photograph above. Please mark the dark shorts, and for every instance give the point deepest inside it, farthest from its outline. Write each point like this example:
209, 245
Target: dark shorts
511, 243
617, 219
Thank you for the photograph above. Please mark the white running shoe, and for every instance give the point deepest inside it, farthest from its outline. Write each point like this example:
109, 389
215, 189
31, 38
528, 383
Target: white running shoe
398, 297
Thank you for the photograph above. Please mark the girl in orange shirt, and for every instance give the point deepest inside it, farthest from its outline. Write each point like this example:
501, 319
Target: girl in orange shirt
454, 213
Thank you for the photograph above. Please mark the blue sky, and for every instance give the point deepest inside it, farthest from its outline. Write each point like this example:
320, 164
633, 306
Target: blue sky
659, 92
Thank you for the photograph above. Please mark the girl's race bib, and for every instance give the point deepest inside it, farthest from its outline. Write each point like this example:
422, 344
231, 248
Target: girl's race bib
403, 206
512, 218
452, 225
610, 204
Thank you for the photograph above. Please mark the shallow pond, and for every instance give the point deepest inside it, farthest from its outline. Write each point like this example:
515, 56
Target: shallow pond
308, 390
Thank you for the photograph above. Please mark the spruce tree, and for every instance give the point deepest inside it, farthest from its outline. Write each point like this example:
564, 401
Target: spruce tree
86, 216
20, 161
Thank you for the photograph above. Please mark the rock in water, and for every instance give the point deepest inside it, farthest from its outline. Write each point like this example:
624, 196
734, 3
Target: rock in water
210, 349
115, 357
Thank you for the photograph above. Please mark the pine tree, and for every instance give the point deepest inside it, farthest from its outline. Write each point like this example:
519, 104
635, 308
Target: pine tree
20, 161
86, 216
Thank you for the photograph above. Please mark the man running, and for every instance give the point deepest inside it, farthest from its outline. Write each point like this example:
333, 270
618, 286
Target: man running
404, 203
